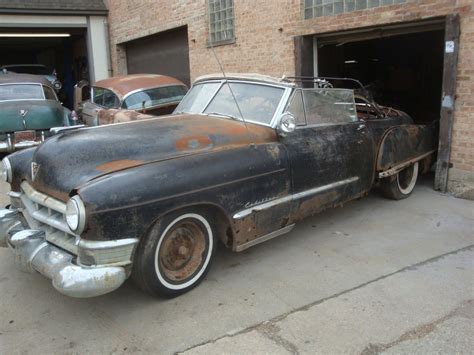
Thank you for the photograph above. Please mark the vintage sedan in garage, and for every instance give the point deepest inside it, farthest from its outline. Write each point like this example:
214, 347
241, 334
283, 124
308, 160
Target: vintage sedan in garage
29, 108
242, 160
128, 98
35, 69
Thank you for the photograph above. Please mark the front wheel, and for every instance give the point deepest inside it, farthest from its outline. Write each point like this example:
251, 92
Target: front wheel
401, 185
175, 255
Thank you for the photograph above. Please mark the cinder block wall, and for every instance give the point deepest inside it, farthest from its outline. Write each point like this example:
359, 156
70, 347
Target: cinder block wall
264, 33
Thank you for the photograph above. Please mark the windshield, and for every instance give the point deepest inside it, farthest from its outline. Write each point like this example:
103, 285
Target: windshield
256, 102
21, 92
29, 69
155, 97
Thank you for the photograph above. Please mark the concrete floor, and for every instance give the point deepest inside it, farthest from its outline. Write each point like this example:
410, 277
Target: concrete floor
374, 276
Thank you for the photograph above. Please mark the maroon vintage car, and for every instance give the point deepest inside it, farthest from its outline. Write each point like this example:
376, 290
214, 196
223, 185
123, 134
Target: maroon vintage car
127, 98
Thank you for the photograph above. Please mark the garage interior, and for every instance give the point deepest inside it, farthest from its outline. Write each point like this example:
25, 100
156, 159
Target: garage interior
404, 71
60, 49
165, 53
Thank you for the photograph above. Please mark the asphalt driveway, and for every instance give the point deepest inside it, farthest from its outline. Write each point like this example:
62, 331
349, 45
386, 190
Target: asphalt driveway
374, 276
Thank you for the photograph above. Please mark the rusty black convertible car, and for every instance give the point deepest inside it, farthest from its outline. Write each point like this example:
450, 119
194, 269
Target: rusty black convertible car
242, 159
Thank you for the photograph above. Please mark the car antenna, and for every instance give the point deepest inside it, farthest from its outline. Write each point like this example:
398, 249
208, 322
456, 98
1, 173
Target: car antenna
230, 89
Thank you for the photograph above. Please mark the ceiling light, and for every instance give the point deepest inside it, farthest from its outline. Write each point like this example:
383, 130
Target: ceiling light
351, 61
26, 35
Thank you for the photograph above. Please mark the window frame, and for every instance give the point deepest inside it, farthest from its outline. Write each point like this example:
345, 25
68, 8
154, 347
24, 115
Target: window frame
278, 111
95, 103
123, 103
212, 42
26, 83
343, 6
311, 125
52, 90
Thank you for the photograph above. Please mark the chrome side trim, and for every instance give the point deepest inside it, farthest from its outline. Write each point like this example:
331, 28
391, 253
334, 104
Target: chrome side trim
297, 196
400, 167
9, 146
264, 238
56, 130
106, 253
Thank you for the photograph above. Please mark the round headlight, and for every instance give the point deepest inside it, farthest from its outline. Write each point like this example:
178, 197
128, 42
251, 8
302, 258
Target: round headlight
6, 170
75, 214
57, 85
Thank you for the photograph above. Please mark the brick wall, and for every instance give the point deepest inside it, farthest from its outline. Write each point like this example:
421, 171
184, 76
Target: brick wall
264, 33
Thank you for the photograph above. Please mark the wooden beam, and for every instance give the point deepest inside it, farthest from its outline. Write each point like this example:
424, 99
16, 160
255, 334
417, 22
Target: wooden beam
451, 50
303, 56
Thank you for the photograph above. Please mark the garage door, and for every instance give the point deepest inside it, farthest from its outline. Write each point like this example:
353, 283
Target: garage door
164, 53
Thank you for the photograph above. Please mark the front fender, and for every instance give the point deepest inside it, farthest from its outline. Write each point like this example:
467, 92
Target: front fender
405, 143
125, 203
21, 166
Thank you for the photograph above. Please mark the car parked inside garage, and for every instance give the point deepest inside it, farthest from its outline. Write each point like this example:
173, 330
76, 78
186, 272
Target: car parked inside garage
242, 160
35, 69
127, 98
29, 108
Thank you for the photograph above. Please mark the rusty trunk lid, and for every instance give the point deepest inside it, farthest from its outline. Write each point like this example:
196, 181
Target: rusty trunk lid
69, 160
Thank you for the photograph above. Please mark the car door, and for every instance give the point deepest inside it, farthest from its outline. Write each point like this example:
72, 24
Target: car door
100, 99
331, 152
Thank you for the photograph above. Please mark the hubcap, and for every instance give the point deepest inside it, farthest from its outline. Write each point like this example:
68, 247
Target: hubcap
182, 251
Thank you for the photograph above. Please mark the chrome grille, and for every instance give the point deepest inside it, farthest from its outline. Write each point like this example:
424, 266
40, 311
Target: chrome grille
49, 215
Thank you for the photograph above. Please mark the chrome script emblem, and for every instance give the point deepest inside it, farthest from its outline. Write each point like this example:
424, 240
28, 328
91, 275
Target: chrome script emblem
34, 170
23, 112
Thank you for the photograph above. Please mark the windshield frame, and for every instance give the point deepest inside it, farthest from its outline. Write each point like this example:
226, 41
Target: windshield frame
278, 110
22, 99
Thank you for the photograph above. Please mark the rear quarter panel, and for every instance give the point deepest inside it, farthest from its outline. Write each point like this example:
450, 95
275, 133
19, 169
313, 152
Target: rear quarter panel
406, 142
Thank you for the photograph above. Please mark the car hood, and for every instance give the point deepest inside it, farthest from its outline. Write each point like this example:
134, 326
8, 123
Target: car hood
38, 114
69, 160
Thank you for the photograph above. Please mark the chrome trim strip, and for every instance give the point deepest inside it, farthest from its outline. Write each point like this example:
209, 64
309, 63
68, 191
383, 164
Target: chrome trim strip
56, 130
282, 104
278, 201
148, 88
399, 167
9, 146
106, 244
14, 194
265, 237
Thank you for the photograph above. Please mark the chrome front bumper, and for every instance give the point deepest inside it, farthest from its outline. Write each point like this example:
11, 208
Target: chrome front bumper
33, 253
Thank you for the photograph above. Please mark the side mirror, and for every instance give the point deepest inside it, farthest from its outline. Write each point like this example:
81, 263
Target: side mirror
286, 124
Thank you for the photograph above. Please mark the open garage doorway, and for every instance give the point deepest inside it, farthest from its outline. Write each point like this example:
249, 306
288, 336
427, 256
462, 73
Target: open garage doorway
59, 50
402, 71
411, 66
165, 53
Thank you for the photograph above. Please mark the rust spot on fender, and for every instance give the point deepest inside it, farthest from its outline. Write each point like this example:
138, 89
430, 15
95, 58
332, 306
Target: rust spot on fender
118, 165
194, 142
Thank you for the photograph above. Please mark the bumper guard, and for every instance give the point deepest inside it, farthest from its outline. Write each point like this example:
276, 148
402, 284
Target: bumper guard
34, 254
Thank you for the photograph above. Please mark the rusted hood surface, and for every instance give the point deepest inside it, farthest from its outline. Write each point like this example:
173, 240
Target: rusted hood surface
73, 158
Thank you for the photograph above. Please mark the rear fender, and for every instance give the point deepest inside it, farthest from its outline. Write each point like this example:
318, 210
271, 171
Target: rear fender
404, 145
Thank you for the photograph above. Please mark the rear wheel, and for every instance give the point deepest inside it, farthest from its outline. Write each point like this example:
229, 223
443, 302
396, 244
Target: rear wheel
401, 185
175, 255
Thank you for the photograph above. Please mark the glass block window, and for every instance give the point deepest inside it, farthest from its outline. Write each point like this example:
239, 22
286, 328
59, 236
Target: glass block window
318, 8
221, 21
